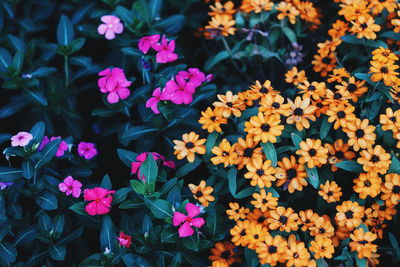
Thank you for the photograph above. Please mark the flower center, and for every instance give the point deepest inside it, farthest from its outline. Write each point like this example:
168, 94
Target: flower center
272, 249
341, 114
229, 104
375, 158
275, 105
351, 87
189, 145
360, 133
260, 172
312, 152
326, 60
364, 26
265, 127
311, 88
384, 70
298, 112
248, 152
349, 214
339, 154
396, 189
199, 194
291, 173
283, 219
225, 255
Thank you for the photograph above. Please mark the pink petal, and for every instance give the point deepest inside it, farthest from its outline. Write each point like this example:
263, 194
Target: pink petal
89, 194
102, 29
151, 102
185, 230
91, 208
76, 192
197, 222
110, 34
112, 97
192, 210
118, 28
187, 98
105, 72
135, 166
107, 19
161, 57
178, 218
69, 180
123, 93
63, 187
76, 184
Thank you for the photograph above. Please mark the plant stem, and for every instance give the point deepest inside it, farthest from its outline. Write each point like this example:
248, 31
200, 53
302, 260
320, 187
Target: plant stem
227, 48
66, 72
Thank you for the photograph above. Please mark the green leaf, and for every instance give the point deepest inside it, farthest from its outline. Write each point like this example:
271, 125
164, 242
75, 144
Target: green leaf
120, 195
37, 96
147, 224
106, 182
129, 204
17, 43
211, 139
391, 35
149, 170
352, 39
296, 139
325, 128
232, 172
290, 34
107, 234
313, 176
28, 169
9, 174
270, 152
78, 208
59, 224
77, 44
393, 241
394, 166
65, 240
212, 61
57, 252
65, 31
187, 168
169, 235
48, 153
43, 71
37, 131
350, 166
135, 260
137, 132
47, 201
18, 61
155, 6
360, 262
130, 51
172, 25
45, 224
138, 186
124, 14
15, 105
8, 252
5, 59
160, 208
191, 242
25, 236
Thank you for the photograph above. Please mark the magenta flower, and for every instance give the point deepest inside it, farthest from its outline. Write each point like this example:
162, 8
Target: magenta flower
165, 51
87, 150
21, 139
124, 240
120, 92
147, 42
152, 102
179, 90
101, 200
111, 26
70, 186
187, 221
4, 185
61, 148
115, 84
194, 75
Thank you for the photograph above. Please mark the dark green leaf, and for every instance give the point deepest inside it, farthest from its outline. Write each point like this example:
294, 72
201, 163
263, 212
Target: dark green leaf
70, 237
65, 31
147, 224
135, 260
8, 252
47, 201
28, 169
37, 96
325, 128
191, 242
270, 152
187, 168
394, 166
48, 153
172, 25
160, 208
350, 166
211, 138
137, 132
169, 235
107, 234
149, 170
57, 252
25, 236
138, 186
129, 204
296, 139
9, 174
120, 195
212, 61
313, 176
130, 51
290, 34
232, 172
78, 208
106, 182
37, 131
155, 6
5, 59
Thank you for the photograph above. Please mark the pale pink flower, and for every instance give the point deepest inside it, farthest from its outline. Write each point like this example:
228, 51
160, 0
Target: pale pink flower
70, 186
186, 222
147, 42
179, 90
124, 240
111, 26
87, 150
101, 200
194, 75
61, 148
165, 51
21, 139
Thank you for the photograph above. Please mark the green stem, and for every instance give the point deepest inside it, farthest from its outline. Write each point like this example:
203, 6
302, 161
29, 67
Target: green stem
66, 72
227, 48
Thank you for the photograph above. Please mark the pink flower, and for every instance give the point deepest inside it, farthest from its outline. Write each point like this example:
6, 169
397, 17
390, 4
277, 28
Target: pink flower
101, 200
61, 148
209, 77
115, 83
179, 91
152, 102
147, 42
21, 139
194, 75
87, 150
70, 186
186, 222
124, 240
165, 51
111, 26
170, 164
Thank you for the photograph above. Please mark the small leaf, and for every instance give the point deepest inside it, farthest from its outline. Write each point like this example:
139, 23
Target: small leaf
325, 128
9, 174
290, 34
187, 168
120, 195
211, 138
5, 59
8, 252
394, 166
296, 139
78, 208
47, 201
137, 132
37, 131
232, 172
169, 235
107, 234
313, 176
37, 96
28, 169
48, 153
43, 71
191, 242
212, 61
149, 170
57, 252
138, 186
26, 235
270, 152
65, 31
172, 25
106, 182
160, 208
350, 166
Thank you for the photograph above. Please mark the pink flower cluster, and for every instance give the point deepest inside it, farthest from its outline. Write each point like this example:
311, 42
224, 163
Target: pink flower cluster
179, 90
61, 148
114, 82
87, 150
165, 50
142, 157
100, 200
186, 222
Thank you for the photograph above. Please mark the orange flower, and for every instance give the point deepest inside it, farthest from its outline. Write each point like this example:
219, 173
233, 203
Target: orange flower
294, 76
224, 153
385, 71
211, 120
263, 89
339, 151
239, 233
222, 9
330, 191
307, 218
360, 134
390, 120
339, 29
220, 25
391, 189
190, 145
300, 112
274, 104
283, 219
337, 75
365, 27
236, 212
362, 243
287, 10
260, 173
202, 193
324, 63
375, 160
229, 104
355, 88
272, 250
224, 252
256, 6
247, 151
297, 253
367, 184
349, 214
312, 153
341, 114
315, 90
291, 174
255, 234
264, 128
264, 201
322, 247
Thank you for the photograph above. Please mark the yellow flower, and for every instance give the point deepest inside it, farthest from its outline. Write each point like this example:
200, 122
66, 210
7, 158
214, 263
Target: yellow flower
236, 212
365, 27
229, 103
360, 133
349, 214
260, 173
322, 247
362, 243
264, 128
300, 112
272, 250
287, 10
291, 174
190, 145
224, 153
330, 191
283, 219
367, 184
375, 160
202, 193
264, 201
211, 120
312, 153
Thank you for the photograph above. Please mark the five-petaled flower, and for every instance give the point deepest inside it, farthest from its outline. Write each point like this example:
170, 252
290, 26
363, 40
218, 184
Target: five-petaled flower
186, 222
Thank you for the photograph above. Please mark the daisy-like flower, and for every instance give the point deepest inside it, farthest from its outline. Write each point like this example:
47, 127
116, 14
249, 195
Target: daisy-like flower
258, 216
375, 160
312, 153
362, 243
272, 250
21, 139
70, 186
355, 88
340, 114
385, 71
339, 29
264, 88
360, 134
390, 120
247, 151
287, 10
239, 233
224, 252
221, 25
381, 212
349, 214
111, 26
264, 201
202, 193
283, 219
264, 128
330, 191
291, 174
230, 104
297, 253
322, 227
274, 104
256, 6
222, 9
261, 173
211, 119
322, 247
236, 212
315, 90
338, 152
367, 184
324, 63
294, 76
301, 112
256, 234
351, 10
224, 153
189, 145
365, 27
391, 189
384, 55
337, 75
307, 219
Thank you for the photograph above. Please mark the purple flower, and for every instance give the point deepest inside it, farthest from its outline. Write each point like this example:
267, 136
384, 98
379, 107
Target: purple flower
61, 148
4, 185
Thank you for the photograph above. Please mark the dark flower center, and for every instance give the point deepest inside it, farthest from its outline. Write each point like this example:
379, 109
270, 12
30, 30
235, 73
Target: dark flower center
330, 193
298, 112
312, 152
225, 255
311, 88
351, 87
199, 194
360, 133
367, 183
396, 189
296, 255
213, 118
243, 233
320, 105
363, 242
375, 158
263, 90
349, 214
265, 127
339, 154
341, 114
384, 70
283, 219
291, 173
393, 119
189, 145
272, 249
364, 26
337, 96
322, 231
326, 60
256, 236
248, 152
261, 219
225, 153
229, 104
276, 105
260, 172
